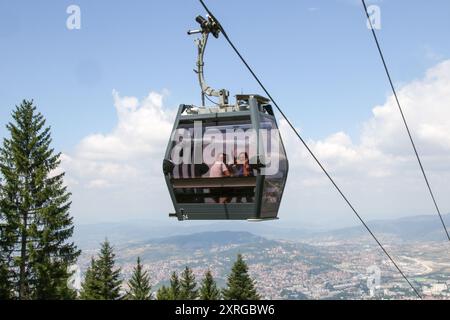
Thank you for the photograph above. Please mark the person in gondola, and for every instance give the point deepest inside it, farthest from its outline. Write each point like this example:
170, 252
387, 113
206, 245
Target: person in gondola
220, 169
242, 168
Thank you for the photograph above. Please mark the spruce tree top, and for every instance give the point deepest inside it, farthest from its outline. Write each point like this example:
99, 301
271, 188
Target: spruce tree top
188, 285
139, 284
208, 289
239, 285
102, 280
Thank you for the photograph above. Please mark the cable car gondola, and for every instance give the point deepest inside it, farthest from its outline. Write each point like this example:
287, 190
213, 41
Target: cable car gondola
225, 161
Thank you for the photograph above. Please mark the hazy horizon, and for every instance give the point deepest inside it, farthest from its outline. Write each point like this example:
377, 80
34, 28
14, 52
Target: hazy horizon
278, 223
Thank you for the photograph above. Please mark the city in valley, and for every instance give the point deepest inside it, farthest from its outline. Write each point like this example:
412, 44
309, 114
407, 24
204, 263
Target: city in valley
322, 266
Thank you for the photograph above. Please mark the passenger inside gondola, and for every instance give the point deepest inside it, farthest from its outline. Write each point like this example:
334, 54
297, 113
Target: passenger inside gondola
242, 166
220, 168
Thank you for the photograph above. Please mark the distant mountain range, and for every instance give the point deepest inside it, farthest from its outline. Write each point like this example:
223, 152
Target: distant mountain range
416, 228
206, 240
205, 244
88, 236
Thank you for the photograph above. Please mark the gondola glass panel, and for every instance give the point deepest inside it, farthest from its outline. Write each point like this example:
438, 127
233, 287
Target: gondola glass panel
220, 177
276, 171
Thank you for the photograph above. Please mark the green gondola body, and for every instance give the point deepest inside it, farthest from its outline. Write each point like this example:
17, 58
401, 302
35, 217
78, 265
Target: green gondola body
196, 194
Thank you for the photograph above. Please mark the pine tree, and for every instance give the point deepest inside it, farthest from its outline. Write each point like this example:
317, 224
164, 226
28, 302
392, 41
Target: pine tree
187, 285
163, 293
35, 210
5, 284
6, 245
239, 285
90, 288
208, 289
174, 290
102, 279
139, 284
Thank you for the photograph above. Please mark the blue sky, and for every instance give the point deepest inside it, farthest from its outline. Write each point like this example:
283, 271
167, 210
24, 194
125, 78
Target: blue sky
316, 57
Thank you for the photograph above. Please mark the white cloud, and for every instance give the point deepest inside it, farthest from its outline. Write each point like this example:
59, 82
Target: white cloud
141, 130
426, 107
98, 183
118, 174
379, 171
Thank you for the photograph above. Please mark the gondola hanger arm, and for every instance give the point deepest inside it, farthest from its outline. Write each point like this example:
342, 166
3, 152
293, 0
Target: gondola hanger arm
208, 26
